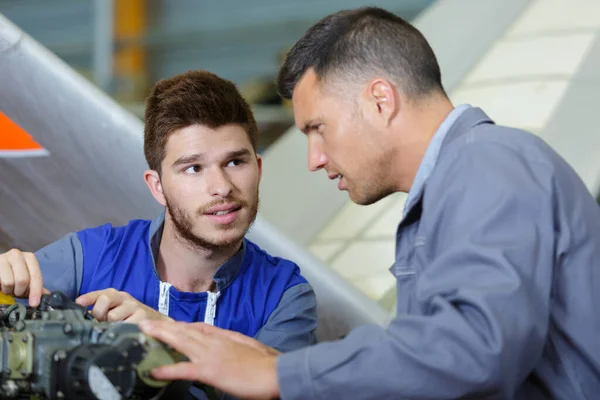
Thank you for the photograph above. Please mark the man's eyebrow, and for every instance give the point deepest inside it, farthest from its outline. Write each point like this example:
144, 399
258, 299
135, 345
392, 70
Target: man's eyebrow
310, 125
200, 157
238, 153
189, 159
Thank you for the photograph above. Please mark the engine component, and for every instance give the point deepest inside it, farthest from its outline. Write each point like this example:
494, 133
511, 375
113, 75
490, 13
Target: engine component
59, 351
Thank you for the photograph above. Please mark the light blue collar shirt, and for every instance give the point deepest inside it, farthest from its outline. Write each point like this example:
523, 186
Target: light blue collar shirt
431, 156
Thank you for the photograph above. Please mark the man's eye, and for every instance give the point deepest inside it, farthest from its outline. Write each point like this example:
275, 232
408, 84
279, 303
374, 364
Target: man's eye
234, 163
194, 169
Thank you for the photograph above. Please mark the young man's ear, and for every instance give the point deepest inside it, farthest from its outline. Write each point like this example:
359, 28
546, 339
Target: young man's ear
259, 162
152, 179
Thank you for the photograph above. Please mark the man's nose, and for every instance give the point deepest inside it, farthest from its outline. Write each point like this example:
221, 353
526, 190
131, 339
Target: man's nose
316, 157
219, 183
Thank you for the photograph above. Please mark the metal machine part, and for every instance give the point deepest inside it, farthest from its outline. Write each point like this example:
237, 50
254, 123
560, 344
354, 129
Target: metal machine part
58, 351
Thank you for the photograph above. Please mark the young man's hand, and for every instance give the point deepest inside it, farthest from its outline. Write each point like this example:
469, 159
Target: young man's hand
20, 276
226, 360
112, 305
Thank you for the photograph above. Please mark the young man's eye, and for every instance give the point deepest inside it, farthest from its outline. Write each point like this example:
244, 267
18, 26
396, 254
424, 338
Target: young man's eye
194, 169
235, 163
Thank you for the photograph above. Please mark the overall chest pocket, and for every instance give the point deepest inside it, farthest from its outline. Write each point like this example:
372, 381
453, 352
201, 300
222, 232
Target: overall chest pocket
405, 287
406, 272
409, 260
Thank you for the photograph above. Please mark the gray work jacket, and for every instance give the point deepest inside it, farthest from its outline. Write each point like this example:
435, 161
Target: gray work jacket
498, 280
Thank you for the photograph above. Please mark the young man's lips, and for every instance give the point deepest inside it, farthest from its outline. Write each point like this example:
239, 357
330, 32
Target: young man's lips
222, 207
227, 218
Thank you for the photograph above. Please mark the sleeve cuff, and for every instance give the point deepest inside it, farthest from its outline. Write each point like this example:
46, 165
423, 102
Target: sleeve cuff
293, 375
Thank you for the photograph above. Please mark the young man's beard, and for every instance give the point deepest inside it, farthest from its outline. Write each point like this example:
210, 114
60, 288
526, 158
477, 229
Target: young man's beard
184, 226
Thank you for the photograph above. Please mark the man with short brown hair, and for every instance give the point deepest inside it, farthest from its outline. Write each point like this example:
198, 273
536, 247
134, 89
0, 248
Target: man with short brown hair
193, 262
497, 260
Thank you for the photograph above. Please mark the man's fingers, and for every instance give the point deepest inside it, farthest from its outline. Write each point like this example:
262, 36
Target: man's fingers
7, 280
121, 312
241, 338
45, 291
21, 276
206, 328
227, 334
213, 330
209, 330
176, 335
100, 309
137, 316
215, 360
89, 298
105, 302
30, 281
112, 305
181, 371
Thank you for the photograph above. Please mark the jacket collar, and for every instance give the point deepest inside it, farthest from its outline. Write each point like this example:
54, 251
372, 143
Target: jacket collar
451, 130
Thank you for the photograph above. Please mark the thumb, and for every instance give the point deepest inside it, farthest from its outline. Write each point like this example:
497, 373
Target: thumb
85, 300
89, 298
45, 291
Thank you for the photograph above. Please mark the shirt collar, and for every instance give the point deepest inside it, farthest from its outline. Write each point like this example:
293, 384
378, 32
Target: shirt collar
431, 156
225, 274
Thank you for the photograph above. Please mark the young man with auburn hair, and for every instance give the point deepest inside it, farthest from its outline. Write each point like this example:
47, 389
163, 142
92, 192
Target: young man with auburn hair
193, 262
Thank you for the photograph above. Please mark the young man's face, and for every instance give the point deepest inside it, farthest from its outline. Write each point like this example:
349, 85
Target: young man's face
210, 180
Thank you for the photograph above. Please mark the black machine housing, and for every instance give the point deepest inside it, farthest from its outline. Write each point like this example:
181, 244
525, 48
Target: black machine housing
59, 351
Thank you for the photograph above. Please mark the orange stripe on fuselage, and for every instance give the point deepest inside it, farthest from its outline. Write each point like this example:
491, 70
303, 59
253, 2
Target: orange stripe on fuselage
14, 138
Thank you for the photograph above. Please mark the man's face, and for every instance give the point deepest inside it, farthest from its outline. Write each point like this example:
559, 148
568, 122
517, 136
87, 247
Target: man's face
210, 181
342, 141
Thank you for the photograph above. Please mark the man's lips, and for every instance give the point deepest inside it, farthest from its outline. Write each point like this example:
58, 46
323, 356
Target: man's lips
222, 209
224, 214
341, 182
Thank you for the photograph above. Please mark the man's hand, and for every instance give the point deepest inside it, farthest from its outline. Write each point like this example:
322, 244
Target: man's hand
20, 276
226, 360
112, 305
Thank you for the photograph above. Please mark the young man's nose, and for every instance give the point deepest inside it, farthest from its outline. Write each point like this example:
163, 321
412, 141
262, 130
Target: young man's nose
219, 183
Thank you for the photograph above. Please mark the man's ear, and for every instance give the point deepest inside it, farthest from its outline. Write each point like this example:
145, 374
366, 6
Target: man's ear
384, 97
259, 162
152, 179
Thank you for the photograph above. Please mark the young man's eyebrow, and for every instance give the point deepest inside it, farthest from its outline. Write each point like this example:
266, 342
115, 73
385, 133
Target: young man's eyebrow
189, 159
238, 153
200, 157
